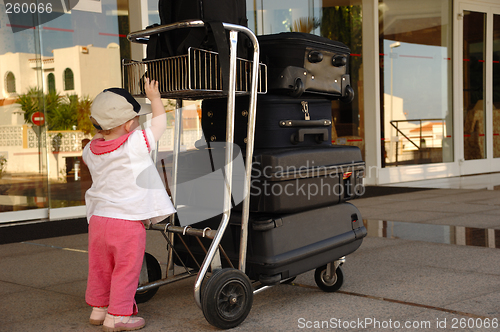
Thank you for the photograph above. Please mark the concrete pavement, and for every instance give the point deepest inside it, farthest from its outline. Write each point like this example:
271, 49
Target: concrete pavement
430, 263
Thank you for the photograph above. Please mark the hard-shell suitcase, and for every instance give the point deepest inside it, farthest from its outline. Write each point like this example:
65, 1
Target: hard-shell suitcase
281, 121
280, 247
303, 63
283, 180
292, 180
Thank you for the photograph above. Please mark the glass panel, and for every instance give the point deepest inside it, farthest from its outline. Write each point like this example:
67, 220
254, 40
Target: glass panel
58, 68
416, 81
153, 15
85, 59
474, 80
23, 159
496, 86
338, 20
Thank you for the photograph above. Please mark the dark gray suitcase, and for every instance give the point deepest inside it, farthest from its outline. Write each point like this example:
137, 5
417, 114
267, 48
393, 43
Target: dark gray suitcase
280, 247
281, 121
292, 180
283, 180
301, 63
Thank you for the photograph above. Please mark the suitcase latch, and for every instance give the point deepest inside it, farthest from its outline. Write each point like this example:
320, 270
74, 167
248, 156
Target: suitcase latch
305, 109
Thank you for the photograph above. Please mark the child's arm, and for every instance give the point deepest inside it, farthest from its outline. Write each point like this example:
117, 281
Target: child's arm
159, 120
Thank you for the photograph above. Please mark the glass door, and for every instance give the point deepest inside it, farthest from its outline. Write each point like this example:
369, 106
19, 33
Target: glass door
23, 158
474, 68
480, 48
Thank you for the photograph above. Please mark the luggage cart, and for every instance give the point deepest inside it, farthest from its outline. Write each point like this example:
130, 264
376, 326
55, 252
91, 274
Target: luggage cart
227, 295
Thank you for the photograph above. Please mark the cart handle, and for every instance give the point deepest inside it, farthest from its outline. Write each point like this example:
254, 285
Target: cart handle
142, 36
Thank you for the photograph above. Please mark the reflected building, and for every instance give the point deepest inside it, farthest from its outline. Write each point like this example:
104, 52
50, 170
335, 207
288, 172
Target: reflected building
65, 73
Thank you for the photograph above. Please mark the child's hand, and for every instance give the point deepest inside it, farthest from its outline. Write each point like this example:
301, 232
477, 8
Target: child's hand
151, 88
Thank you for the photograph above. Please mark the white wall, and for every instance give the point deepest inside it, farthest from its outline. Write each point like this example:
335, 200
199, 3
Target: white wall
18, 64
93, 71
100, 69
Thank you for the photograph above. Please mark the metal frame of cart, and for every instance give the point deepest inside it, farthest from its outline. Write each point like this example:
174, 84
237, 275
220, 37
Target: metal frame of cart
227, 295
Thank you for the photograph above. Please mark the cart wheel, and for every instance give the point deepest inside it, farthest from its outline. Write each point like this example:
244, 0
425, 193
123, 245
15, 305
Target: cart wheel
227, 298
325, 285
154, 273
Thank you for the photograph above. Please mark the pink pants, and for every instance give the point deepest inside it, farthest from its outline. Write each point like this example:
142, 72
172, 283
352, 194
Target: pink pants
116, 251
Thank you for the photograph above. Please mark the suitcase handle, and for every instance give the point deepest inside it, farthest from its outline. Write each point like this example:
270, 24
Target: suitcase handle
306, 123
321, 135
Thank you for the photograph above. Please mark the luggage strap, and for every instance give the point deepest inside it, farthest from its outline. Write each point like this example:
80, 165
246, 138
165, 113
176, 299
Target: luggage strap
216, 28
219, 33
306, 123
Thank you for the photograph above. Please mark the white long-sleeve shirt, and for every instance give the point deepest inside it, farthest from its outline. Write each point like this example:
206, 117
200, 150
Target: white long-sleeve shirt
125, 182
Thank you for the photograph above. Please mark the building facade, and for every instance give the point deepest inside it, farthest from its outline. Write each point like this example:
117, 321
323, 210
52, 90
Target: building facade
426, 76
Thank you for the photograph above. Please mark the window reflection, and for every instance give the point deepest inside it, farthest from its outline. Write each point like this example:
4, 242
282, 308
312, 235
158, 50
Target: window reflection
474, 80
10, 82
45, 103
338, 20
51, 82
415, 74
69, 83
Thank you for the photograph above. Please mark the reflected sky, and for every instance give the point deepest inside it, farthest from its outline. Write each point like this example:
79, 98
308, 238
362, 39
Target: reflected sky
76, 28
422, 68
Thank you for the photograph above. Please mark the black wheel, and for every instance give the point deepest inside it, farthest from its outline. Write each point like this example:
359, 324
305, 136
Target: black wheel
154, 273
289, 280
298, 88
227, 298
349, 95
326, 285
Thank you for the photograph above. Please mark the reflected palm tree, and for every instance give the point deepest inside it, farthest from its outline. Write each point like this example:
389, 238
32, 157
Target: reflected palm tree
305, 24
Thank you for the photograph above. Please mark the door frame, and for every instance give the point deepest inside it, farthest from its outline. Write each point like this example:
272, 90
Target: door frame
489, 164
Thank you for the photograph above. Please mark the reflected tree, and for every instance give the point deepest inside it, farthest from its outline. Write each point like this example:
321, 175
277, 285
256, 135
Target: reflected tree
67, 112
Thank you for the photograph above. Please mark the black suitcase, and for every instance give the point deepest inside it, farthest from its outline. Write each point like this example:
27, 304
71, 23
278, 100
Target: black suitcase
303, 63
283, 180
213, 37
292, 180
280, 247
281, 121
178, 41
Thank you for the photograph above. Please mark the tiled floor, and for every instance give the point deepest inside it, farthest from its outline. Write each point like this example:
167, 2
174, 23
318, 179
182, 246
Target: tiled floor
421, 263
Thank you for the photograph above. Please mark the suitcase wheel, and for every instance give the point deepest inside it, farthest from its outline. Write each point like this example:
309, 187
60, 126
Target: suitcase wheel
227, 298
339, 61
349, 95
154, 273
329, 285
298, 88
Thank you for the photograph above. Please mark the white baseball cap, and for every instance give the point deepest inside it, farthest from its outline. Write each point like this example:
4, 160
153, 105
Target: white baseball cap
115, 106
